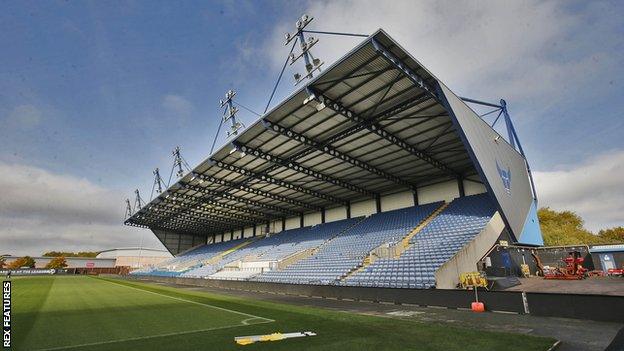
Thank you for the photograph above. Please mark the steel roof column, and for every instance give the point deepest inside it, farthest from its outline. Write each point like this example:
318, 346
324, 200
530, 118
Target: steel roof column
283, 223
253, 234
415, 196
460, 186
348, 209
323, 215
301, 220
378, 203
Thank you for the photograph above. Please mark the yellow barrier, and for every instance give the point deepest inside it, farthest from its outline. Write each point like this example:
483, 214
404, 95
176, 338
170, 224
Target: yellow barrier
472, 279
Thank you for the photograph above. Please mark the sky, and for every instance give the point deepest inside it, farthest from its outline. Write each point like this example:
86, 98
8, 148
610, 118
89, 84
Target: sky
94, 95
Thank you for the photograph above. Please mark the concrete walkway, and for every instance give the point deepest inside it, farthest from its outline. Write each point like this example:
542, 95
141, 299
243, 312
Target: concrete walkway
596, 285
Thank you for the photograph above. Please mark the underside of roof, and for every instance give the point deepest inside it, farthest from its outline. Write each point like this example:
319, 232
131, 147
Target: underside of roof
372, 123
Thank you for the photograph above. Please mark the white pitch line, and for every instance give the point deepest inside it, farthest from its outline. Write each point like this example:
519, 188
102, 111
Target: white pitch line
193, 302
150, 336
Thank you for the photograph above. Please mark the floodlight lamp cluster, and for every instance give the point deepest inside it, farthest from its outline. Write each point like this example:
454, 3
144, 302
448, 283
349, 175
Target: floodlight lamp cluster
312, 64
230, 113
177, 161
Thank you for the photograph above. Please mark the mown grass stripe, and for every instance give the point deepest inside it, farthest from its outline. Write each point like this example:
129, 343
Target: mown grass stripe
191, 301
148, 337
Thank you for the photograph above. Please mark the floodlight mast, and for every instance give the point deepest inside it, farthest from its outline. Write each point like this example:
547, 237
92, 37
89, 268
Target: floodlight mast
158, 183
177, 161
312, 64
128, 210
229, 113
138, 201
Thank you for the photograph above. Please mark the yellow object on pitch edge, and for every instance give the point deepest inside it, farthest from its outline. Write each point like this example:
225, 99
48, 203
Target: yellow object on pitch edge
246, 340
472, 279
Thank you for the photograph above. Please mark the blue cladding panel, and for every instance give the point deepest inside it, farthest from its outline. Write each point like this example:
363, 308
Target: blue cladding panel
531, 233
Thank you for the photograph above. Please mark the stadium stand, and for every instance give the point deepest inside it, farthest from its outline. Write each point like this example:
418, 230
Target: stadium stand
374, 135
273, 248
341, 252
435, 244
346, 252
190, 259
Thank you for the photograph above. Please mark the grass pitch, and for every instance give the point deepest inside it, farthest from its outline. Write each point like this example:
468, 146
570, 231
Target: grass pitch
86, 313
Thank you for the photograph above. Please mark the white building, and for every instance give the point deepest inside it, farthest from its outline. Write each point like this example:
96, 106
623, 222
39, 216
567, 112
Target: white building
135, 257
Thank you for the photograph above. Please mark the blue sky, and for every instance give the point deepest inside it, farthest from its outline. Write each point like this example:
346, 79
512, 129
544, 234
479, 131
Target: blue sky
99, 93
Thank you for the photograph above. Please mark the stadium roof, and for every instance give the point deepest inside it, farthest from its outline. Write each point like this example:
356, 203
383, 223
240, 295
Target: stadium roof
372, 123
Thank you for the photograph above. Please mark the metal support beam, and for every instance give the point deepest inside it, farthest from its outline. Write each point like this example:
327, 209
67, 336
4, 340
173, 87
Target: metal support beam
323, 215
349, 209
242, 187
253, 234
301, 220
263, 176
283, 223
378, 203
460, 186
182, 200
211, 204
415, 196
379, 130
409, 73
211, 194
332, 151
302, 169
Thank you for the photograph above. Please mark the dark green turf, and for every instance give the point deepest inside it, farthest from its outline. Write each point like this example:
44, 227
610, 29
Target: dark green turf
65, 311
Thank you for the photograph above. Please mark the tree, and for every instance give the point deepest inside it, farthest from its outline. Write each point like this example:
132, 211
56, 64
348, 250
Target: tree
564, 228
612, 236
25, 261
57, 263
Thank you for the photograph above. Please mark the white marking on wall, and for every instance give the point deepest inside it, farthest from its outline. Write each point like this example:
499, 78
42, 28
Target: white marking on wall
363, 208
248, 232
446, 191
293, 222
396, 201
335, 214
312, 219
472, 188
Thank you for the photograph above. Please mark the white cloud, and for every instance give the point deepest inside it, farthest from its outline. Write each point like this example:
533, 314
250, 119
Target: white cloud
177, 105
41, 211
23, 117
594, 188
525, 51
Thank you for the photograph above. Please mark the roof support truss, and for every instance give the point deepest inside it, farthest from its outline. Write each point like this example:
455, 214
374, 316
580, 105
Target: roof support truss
263, 176
379, 130
413, 76
291, 164
332, 151
254, 191
211, 194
